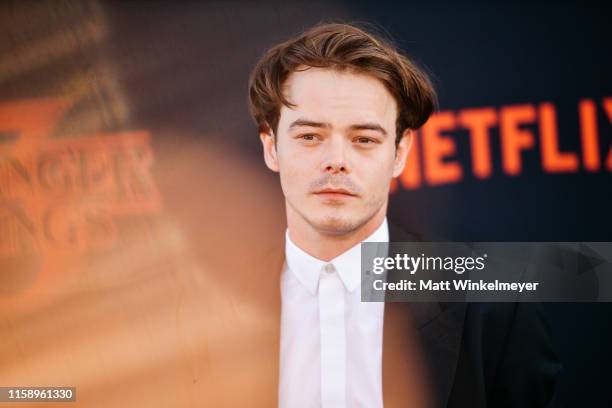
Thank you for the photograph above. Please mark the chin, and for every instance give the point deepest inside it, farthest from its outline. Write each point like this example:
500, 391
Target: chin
334, 225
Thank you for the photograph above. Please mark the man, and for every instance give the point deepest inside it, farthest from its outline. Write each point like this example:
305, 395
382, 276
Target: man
336, 109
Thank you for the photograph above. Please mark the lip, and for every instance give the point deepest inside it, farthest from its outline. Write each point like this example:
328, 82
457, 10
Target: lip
335, 192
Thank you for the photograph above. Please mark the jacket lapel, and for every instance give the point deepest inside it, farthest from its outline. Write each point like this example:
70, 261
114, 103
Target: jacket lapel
439, 329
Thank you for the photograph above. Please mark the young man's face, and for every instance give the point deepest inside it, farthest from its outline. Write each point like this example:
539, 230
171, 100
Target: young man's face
335, 150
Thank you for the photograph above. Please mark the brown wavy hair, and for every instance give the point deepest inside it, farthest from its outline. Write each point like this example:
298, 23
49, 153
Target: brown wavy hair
341, 47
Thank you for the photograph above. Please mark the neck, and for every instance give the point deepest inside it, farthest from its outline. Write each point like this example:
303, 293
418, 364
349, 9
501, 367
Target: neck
327, 246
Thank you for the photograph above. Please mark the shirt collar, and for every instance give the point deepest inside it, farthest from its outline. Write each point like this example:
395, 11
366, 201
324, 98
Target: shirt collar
307, 269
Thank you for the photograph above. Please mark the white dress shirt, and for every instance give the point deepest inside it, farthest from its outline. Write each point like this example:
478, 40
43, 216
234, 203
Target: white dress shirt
331, 342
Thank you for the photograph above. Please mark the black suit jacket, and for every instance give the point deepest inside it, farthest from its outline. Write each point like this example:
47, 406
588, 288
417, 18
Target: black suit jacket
484, 354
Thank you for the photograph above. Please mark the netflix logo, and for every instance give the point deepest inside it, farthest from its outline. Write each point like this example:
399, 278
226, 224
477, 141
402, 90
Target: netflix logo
528, 127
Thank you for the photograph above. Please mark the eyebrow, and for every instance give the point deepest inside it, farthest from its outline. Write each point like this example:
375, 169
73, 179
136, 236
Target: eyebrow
309, 123
369, 126
324, 125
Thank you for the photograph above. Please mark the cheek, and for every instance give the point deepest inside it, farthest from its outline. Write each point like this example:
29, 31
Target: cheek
298, 162
294, 178
377, 176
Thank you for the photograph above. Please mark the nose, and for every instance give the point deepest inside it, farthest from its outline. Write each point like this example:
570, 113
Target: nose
335, 160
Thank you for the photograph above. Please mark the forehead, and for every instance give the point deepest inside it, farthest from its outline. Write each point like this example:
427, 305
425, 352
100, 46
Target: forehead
338, 97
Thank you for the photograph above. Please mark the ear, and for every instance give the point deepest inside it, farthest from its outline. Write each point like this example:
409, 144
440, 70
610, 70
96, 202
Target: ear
269, 150
401, 152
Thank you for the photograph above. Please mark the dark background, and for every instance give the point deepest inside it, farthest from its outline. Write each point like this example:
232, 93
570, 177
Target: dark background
182, 68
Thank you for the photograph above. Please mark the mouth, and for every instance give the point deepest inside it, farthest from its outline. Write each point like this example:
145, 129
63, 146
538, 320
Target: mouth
335, 193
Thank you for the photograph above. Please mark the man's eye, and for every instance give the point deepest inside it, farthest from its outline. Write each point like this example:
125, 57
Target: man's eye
308, 137
364, 140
